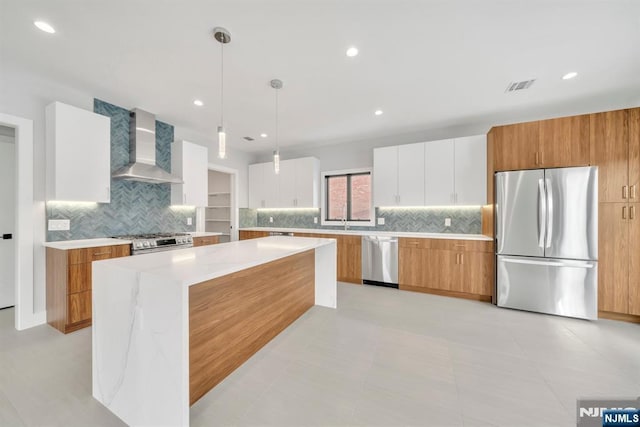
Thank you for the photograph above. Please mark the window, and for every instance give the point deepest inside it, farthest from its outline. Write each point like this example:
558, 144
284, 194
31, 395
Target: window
347, 195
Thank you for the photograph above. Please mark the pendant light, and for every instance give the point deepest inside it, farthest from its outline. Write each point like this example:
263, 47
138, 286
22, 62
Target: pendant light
276, 84
223, 36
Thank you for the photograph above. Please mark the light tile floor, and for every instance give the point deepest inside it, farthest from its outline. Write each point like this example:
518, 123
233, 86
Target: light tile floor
383, 358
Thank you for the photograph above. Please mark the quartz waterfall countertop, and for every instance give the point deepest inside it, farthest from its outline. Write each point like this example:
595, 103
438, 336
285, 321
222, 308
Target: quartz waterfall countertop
198, 264
356, 232
86, 243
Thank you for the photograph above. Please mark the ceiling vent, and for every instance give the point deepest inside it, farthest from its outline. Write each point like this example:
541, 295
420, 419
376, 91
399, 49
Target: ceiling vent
248, 138
514, 86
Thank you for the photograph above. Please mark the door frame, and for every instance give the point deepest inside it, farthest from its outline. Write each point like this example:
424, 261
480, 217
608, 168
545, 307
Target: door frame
234, 197
25, 316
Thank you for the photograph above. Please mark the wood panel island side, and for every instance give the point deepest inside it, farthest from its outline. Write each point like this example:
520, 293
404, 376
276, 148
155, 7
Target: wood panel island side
169, 326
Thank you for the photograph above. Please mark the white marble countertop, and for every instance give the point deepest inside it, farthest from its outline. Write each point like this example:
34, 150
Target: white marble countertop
374, 233
86, 243
198, 264
204, 233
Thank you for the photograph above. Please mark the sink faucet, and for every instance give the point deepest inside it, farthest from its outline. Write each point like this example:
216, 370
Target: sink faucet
346, 224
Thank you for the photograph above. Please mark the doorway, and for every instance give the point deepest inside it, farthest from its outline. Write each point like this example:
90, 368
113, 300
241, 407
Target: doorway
221, 213
7, 216
25, 211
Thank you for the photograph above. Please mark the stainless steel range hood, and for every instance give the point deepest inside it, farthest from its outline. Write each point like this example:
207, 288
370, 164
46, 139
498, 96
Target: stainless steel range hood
142, 152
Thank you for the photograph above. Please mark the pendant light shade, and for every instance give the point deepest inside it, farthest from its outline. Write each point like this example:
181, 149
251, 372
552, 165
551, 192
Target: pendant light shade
276, 84
223, 37
222, 143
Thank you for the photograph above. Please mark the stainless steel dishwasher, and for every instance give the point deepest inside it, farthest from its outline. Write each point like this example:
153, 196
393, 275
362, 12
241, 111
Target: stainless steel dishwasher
380, 261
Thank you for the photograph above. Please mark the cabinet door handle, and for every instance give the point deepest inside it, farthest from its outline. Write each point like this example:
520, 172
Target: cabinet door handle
632, 212
542, 157
101, 253
537, 158
457, 258
461, 258
184, 198
625, 192
624, 212
633, 192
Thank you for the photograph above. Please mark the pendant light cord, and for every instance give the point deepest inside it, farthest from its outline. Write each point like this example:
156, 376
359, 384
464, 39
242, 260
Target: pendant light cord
222, 85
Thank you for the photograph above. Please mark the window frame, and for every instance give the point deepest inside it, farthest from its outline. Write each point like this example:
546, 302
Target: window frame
323, 206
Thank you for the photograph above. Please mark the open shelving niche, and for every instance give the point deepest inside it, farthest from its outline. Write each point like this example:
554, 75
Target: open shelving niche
218, 210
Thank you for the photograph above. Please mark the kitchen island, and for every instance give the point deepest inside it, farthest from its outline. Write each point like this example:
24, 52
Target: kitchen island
168, 326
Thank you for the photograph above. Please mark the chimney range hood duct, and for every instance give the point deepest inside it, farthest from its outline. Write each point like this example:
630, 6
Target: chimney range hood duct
142, 152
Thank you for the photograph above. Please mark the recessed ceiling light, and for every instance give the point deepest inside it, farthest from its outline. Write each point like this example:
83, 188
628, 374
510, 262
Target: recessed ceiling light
378, 112
198, 103
263, 135
569, 75
352, 51
44, 27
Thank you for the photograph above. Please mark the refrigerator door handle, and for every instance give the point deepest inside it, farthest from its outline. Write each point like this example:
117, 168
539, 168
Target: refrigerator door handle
580, 264
549, 227
542, 213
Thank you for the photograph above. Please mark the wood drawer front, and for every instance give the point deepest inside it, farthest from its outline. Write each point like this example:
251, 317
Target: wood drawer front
79, 256
414, 242
79, 307
204, 241
462, 245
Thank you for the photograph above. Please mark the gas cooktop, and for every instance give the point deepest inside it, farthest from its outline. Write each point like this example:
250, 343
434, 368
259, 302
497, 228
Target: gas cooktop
156, 242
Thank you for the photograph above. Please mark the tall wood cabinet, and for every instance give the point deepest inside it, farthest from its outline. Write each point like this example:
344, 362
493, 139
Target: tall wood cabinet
69, 284
615, 149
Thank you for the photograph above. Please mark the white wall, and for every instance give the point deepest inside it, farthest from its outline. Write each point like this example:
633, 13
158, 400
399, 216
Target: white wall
25, 94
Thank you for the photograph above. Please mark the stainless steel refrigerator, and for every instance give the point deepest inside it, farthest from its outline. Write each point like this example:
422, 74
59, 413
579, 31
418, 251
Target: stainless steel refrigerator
547, 241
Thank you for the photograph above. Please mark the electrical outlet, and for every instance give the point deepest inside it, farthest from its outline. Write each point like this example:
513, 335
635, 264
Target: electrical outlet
315, 219
189, 221
59, 224
447, 222
270, 219
380, 221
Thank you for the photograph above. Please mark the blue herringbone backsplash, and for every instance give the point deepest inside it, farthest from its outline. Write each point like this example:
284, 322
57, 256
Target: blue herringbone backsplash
425, 220
136, 207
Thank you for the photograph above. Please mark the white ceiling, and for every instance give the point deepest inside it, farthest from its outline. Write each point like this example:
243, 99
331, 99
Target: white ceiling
427, 64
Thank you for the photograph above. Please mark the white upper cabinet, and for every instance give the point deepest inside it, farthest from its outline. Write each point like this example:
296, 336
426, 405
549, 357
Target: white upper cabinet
398, 175
307, 183
189, 162
471, 170
296, 186
411, 175
287, 184
263, 186
436, 173
78, 154
439, 172
385, 176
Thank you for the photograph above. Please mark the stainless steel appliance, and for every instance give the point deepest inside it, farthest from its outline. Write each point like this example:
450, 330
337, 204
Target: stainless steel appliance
158, 242
280, 233
142, 152
380, 261
547, 241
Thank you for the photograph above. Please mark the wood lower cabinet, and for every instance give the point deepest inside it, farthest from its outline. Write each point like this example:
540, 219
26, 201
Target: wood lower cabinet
349, 250
251, 234
634, 260
69, 284
205, 240
462, 268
